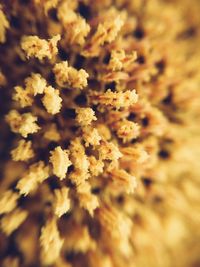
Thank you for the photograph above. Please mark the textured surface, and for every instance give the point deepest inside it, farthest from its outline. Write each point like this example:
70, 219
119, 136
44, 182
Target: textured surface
100, 115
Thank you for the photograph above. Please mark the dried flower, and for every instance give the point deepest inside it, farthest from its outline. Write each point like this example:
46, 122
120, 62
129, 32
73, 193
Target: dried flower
36, 174
23, 151
119, 60
77, 31
62, 201
52, 100
91, 136
70, 77
109, 151
23, 97
40, 48
127, 130
117, 100
35, 84
86, 198
97, 167
77, 156
50, 241
11, 221
60, 161
123, 180
8, 201
85, 116
106, 32
24, 124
